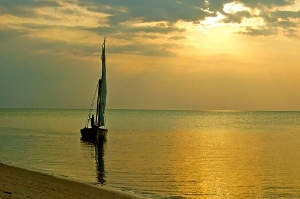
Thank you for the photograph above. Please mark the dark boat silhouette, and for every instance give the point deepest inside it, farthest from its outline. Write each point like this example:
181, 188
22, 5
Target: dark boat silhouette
95, 129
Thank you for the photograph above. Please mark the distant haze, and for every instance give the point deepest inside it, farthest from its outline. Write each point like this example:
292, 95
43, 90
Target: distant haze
161, 54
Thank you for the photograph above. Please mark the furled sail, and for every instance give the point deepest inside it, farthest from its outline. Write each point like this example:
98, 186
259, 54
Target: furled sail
97, 131
102, 90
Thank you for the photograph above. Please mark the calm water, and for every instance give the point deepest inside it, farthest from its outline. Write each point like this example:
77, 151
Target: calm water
163, 154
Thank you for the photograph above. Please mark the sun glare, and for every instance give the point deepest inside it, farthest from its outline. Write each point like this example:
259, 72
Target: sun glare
211, 22
234, 7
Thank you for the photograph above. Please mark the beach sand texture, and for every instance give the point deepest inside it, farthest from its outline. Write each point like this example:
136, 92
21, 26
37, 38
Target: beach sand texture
20, 183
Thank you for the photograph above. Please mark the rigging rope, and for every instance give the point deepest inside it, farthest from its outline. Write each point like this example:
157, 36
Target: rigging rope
92, 104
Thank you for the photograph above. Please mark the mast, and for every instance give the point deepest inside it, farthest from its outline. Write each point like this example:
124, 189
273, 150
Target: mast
98, 104
102, 91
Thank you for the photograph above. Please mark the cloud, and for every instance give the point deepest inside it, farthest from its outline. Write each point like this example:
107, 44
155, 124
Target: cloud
267, 3
50, 50
292, 33
156, 10
177, 37
283, 19
260, 31
278, 21
237, 17
170, 11
142, 49
120, 16
25, 8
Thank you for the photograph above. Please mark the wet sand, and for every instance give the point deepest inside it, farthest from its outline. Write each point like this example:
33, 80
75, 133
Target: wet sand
20, 183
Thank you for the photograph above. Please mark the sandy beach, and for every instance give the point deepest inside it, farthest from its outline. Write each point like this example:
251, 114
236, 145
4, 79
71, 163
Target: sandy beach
20, 183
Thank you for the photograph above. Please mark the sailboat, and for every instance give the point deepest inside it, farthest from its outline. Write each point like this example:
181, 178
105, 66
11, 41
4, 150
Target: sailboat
95, 129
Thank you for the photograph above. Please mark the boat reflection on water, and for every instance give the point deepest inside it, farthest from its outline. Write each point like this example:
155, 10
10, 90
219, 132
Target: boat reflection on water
96, 150
99, 155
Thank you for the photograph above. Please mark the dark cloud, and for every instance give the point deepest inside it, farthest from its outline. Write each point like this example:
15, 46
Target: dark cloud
142, 49
193, 11
283, 18
260, 31
217, 5
286, 24
292, 33
24, 8
177, 37
286, 14
276, 20
267, 3
28, 3
120, 12
129, 32
148, 11
237, 17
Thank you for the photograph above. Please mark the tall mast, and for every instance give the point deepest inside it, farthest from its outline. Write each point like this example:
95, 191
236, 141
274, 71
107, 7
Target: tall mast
102, 90
98, 104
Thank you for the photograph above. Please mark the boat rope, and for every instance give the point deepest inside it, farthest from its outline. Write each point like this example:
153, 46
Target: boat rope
91, 107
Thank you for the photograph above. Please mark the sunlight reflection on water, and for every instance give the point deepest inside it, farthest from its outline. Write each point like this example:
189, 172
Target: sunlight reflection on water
163, 154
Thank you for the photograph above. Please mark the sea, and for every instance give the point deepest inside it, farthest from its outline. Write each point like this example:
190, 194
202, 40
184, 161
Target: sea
163, 154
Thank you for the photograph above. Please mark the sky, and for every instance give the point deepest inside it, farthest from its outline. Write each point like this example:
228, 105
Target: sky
160, 54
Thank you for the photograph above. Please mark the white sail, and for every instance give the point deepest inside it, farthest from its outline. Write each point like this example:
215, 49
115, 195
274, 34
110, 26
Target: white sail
103, 89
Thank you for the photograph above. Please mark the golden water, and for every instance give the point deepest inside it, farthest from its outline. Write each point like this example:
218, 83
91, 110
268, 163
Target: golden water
163, 154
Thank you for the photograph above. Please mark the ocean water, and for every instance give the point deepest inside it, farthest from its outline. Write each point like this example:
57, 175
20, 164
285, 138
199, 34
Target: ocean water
163, 154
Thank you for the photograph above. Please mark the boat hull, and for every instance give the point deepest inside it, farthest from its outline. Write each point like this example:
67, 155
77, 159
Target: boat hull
93, 134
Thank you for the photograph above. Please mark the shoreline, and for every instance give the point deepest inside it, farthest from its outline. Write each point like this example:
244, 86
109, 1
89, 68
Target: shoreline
21, 183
